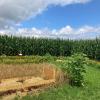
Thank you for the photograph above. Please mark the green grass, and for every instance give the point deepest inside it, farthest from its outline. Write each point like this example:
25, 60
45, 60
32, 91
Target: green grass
91, 90
25, 59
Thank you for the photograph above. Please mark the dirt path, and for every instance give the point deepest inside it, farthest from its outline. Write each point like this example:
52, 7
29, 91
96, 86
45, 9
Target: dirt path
9, 97
12, 87
43, 76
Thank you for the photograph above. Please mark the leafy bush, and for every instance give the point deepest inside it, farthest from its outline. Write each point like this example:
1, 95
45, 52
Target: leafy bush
75, 68
48, 57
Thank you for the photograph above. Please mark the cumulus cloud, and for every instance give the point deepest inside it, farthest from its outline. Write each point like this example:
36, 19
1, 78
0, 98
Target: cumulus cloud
12, 12
85, 32
66, 30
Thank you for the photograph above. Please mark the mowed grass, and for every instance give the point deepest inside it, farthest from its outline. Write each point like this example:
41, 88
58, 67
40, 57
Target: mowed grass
22, 59
91, 90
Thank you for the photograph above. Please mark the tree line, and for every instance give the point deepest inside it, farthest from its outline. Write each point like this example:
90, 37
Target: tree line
12, 46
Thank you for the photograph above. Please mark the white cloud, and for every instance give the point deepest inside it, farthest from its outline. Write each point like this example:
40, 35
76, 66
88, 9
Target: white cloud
65, 32
12, 12
87, 29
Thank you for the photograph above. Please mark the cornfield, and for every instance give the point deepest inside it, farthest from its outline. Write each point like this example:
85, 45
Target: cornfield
11, 46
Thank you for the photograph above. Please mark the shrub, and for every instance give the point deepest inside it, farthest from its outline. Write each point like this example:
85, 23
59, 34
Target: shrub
48, 57
75, 68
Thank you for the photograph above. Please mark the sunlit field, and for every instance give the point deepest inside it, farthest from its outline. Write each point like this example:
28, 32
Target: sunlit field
15, 67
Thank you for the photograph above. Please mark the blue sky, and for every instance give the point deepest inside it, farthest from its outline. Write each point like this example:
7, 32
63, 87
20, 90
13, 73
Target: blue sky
73, 19
75, 15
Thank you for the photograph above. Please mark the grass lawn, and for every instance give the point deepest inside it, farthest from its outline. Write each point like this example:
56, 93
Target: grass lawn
91, 90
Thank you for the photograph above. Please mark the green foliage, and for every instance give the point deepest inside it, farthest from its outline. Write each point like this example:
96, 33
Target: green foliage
49, 58
75, 68
11, 46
